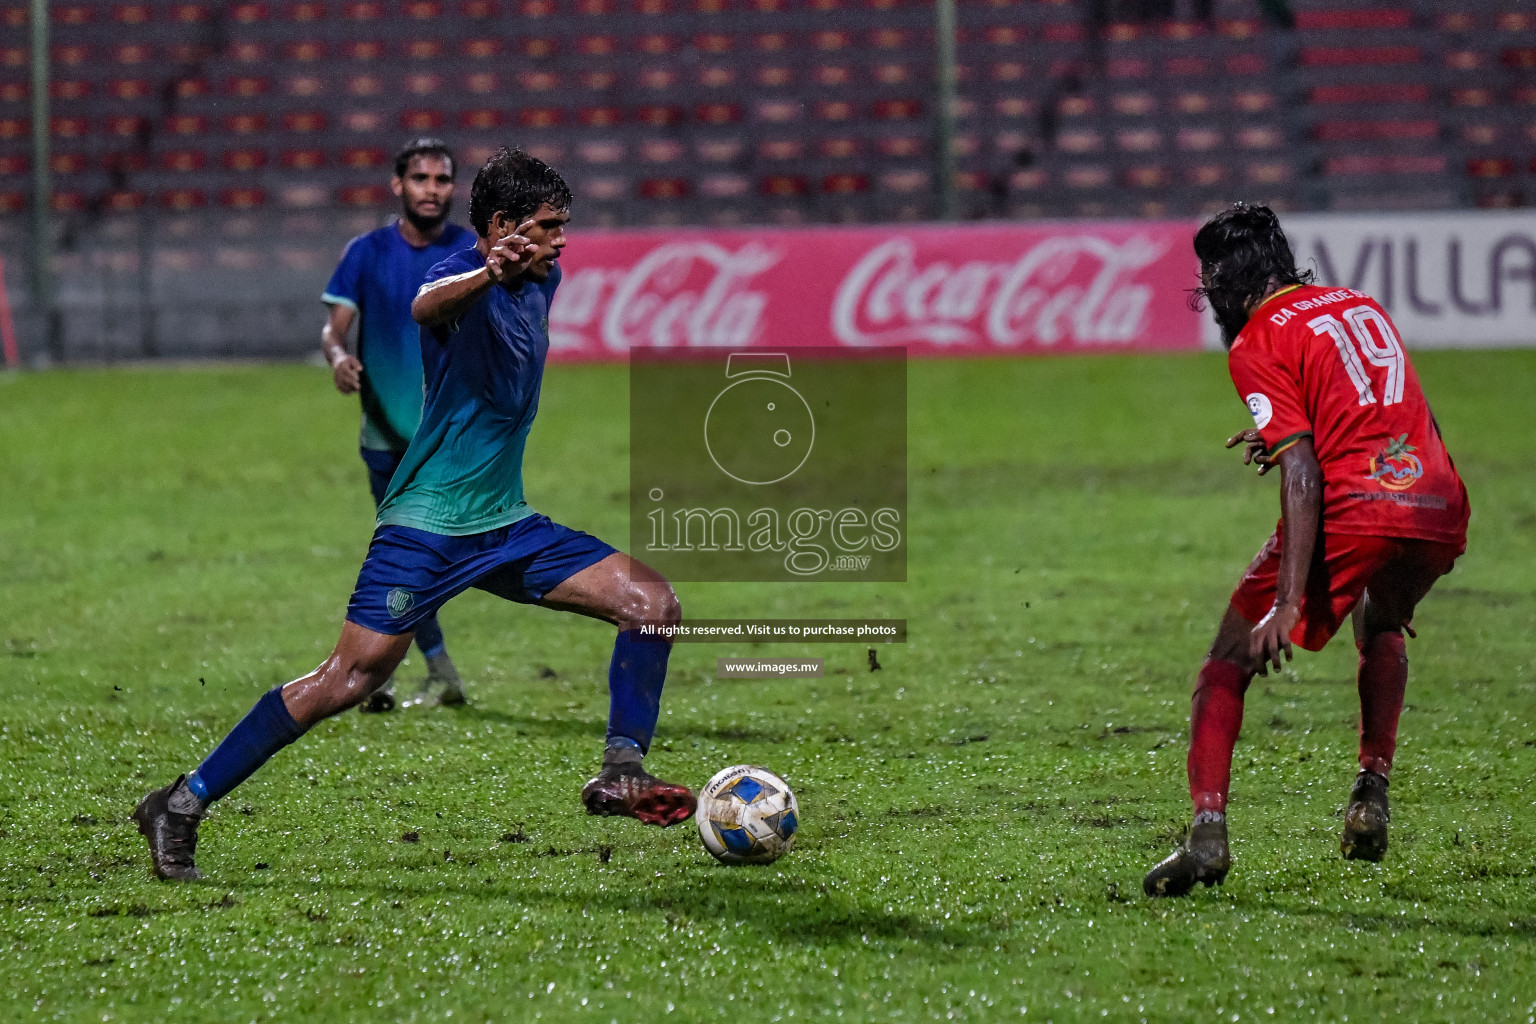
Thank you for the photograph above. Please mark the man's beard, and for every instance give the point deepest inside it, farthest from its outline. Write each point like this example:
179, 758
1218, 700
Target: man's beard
1231, 314
425, 224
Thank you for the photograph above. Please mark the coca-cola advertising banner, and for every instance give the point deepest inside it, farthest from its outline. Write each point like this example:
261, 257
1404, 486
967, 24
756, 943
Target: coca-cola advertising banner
1449, 280
936, 289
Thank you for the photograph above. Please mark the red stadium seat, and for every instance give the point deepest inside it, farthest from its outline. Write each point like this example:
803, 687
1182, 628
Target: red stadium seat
363, 195
364, 85
1405, 92
1355, 56
900, 146
717, 113
304, 122
422, 10
186, 124
719, 151
1147, 177
69, 89
1139, 140
1522, 58
599, 117
781, 185
838, 148
1353, 19
363, 121
189, 14
831, 39
245, 124
362, 158
480, 49
714, 42
12, 202
244, 159
70, 55
661, 151
774, 76
15, 127
305, 11
717, 77
658, 115
480, 82
69, 202
302, 159
897, 110
132, 14
246, 86
664, 188
772, 42
526, 8
781, 149
1374, 164
845, 184
724, 186
834, 110
304, 85
901, 74
73, 14
480, 120
362, 10
127, 126
421, 120
1267, 173
601, 152
1465, 60
188, 88
1361, 131
1260, 137
598, 80
123, 201
1198, 139
183, 161
1517, 21
422, 83
246, 51
422, 49
305, 50
1471, 97
248, 13
778, 110
540, 117
67, 163
17, 92
132, 53
128, 88
1490, 167
130, 162
656, 78
832, 74
654, 43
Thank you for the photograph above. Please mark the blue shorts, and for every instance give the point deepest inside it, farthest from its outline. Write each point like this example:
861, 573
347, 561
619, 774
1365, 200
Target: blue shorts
409, 574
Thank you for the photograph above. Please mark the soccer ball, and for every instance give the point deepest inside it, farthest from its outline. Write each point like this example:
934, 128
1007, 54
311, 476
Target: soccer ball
747, 815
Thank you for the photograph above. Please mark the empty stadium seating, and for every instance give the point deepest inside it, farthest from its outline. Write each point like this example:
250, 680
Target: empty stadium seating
777, 110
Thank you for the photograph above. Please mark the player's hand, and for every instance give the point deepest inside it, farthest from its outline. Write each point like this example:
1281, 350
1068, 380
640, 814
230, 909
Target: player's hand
1253, 455
348, 373
511, 255
1272, 636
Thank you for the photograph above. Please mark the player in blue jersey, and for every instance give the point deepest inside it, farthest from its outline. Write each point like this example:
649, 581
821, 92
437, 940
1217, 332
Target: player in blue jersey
455, 518
374, 285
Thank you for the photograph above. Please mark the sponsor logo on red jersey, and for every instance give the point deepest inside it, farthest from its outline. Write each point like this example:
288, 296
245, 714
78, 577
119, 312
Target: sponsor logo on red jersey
1395, 467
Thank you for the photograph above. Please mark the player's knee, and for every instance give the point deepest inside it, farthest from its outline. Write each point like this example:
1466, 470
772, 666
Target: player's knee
649, 603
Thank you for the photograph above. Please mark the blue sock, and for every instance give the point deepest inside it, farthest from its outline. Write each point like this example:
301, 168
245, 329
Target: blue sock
266, 729
429, 637
635, 678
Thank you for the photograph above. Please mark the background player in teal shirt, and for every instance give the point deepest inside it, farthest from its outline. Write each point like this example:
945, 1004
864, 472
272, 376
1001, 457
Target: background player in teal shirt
455, 517
374, 285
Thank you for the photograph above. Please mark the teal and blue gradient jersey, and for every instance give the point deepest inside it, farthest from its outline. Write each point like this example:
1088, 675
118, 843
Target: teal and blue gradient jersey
463, 473
378, 277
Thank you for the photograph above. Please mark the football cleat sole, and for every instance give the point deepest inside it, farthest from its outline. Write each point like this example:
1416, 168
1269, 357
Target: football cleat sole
639, 796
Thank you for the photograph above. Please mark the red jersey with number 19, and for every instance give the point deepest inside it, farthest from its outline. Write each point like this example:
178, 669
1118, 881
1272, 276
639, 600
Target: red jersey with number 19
1327, 362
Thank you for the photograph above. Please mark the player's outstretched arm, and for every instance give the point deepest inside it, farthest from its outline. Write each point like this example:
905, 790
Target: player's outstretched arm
1301, 510
445, 300
345, 367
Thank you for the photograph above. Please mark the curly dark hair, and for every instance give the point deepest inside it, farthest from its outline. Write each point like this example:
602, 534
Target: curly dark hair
1243, 255
424, 146
516, 184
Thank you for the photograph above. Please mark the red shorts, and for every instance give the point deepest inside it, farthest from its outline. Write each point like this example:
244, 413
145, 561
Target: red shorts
1397, 569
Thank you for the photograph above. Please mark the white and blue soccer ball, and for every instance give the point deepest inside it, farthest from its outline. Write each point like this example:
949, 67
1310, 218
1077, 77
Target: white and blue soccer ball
747, 815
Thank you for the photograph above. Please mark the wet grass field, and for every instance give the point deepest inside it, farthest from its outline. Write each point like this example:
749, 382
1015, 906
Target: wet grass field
977, 814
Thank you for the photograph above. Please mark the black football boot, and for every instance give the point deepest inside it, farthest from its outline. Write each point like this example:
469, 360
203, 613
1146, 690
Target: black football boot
1365, 821
625, 789
172, 837
1202, 857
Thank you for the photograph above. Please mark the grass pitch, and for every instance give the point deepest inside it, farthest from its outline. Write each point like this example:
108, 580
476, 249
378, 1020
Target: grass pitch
977, 814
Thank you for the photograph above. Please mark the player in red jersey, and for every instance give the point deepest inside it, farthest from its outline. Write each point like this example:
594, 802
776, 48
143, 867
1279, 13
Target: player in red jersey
1372, 513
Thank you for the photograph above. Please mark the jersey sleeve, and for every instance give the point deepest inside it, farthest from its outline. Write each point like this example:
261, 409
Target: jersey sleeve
1272, 392
345, 288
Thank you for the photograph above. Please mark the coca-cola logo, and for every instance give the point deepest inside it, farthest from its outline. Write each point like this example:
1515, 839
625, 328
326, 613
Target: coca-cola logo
684, 294
1079, 287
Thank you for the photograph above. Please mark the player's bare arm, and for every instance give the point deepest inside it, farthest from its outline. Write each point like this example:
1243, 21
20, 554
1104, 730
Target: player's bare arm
1301, 505
508, 253
346, 368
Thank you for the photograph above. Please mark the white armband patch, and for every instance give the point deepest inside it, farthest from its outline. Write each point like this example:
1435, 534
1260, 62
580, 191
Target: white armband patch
1263, 412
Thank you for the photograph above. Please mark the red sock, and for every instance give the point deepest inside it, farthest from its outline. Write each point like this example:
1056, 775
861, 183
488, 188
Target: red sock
1383, 679
1215, 718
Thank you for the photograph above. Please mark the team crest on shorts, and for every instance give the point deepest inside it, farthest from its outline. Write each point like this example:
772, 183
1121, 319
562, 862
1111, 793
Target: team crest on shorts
399, 602
1395, 467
